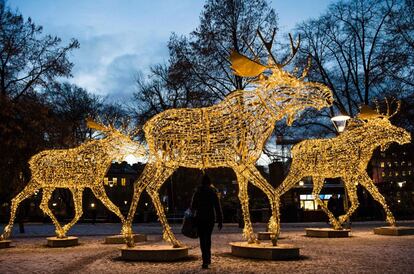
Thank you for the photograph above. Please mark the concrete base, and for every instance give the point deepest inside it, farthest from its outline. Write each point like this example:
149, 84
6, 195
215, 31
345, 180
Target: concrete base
62, 242
394, 230
327, 233
158, 253
264, 251
119, 239
5, 244
264, 236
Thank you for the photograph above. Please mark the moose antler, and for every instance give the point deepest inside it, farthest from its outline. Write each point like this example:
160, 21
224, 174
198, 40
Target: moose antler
389, 114
246, 67
389, 104
367, 113
90, 123
306, 69
268, 45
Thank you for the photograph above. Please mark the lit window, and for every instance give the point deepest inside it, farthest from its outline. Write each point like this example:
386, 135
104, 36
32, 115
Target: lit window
106, 182
409, 163
389, 164
123, 181
403, 173
397, 173
382, 164
383, 174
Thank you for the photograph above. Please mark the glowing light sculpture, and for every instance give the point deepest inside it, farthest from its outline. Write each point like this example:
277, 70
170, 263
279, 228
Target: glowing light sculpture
231, 134
345, 156
75, 169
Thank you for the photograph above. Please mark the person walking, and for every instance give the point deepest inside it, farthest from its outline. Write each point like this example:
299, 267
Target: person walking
207, 209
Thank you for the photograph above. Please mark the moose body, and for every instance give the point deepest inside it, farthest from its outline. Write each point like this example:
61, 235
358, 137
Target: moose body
64, 168
75, 169
345, 156
212, 136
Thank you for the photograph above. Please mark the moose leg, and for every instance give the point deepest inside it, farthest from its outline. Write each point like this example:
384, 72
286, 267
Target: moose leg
44, 205
248, 233
290, 181
317, 187
77, 200
99, 192
353, 198
25, 193
162, 174
373, 190
139, 186
254, 176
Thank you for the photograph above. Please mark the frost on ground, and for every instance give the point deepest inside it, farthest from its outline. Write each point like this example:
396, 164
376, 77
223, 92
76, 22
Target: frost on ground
364, 252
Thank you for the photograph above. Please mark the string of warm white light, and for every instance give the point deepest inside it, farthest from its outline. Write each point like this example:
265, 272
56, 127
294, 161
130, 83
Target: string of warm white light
345, 156
231, 134
75, 169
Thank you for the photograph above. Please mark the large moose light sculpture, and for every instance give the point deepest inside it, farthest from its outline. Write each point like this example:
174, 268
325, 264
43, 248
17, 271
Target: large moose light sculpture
75, 169
345, 156
231, 134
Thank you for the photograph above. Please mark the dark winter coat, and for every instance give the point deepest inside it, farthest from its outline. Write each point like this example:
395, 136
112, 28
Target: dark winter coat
206, 205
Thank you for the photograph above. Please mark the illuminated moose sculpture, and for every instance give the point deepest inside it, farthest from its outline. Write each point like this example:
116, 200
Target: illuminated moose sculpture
75, 169
231, 134
345, 156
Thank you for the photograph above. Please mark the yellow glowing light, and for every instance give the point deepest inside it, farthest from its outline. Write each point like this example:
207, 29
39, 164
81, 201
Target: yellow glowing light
231, 134
93, 205
345, 156
75, 169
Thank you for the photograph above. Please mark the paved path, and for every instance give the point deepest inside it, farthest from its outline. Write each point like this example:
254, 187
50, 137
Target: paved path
364, 252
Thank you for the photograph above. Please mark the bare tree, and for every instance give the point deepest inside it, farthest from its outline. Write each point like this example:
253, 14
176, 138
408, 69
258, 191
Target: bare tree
29, 59
354, 52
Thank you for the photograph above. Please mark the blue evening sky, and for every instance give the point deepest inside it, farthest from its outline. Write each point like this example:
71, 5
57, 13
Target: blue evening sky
119, 38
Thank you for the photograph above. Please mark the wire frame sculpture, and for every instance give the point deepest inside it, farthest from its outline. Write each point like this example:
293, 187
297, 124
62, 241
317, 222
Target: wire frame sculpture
75, 169
345, 156
231, 134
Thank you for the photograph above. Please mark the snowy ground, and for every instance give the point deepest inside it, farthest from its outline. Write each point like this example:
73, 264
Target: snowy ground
364, 252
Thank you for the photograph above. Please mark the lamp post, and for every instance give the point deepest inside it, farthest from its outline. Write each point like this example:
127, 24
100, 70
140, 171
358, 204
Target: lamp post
339, 122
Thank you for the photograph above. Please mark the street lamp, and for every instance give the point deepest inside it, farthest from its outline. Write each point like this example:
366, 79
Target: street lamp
339, 122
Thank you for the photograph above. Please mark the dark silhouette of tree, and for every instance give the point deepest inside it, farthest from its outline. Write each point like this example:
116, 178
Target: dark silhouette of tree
355, 53
71, 105
29, 61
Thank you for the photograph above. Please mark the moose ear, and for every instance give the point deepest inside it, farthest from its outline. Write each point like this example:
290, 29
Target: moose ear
94, 125
244, 66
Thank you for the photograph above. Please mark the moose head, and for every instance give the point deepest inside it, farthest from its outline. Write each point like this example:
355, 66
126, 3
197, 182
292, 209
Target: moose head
281, 88
379, 127
121, 145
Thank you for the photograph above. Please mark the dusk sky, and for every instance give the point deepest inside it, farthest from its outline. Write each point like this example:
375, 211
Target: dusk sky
119, 38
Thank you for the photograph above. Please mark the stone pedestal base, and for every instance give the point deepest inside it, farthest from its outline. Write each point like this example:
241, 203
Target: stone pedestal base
5, 244
327, 233
394, 230
62, 242
158, 253
119, 239
264, 251
264, 236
